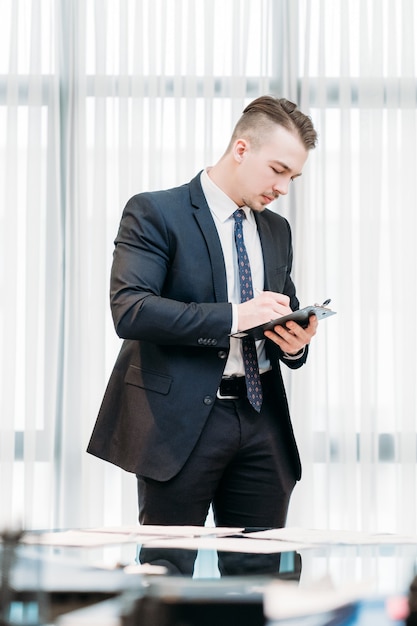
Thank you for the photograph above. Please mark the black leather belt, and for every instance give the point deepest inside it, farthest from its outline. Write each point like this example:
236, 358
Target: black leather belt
234, 387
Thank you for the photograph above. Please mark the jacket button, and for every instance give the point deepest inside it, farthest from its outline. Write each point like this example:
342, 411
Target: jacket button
222, 354
208, 400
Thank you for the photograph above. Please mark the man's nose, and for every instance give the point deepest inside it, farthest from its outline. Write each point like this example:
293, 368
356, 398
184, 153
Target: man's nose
281, 187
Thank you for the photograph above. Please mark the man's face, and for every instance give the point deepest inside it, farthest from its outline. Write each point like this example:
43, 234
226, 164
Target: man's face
264, 173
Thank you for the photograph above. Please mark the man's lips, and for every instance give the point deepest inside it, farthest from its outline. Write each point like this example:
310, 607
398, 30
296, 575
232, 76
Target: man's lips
268, 198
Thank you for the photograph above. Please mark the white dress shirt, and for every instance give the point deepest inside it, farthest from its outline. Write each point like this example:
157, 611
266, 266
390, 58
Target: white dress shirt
222, 209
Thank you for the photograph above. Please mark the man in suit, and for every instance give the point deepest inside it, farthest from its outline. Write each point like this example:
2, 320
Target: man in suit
176, 411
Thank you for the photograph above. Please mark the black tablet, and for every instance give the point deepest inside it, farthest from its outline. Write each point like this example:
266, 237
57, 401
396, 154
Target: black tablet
301, 317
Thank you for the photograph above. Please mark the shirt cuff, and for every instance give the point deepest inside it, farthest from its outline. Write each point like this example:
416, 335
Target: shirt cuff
293, 357
235, 320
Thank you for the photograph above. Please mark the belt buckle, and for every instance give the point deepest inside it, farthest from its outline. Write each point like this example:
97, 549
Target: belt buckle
226, 397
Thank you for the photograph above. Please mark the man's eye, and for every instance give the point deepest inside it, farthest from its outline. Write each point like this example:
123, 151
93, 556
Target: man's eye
276, 171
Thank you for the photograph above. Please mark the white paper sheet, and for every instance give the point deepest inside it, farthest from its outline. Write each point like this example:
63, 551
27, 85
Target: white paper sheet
227, 544
233, 539
96, 537
323, 537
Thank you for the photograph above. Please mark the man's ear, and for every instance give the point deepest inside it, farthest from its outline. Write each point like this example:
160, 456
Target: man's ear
240, 149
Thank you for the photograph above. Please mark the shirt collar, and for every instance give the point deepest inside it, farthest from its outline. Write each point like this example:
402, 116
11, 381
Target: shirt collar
219, 203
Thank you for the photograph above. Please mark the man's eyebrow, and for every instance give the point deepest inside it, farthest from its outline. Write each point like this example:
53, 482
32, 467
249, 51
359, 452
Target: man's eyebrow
286, 167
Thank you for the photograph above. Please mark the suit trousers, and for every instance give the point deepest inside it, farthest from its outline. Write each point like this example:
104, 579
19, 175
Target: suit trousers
240, 467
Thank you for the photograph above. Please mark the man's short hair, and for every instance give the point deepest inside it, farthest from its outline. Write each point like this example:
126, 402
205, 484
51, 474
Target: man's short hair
264, 112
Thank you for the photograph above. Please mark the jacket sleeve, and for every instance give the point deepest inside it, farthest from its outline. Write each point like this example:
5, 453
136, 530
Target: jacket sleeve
155, 296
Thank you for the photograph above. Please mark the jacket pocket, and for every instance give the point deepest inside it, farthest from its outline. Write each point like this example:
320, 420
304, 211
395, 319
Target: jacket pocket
148, 380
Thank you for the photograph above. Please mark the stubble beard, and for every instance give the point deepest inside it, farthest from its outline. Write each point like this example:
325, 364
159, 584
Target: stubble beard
255, 205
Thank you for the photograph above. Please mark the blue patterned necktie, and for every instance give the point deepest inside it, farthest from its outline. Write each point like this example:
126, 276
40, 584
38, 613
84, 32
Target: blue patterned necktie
250, 357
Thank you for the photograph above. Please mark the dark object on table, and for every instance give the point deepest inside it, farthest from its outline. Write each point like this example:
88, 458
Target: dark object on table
9, 541
411, 620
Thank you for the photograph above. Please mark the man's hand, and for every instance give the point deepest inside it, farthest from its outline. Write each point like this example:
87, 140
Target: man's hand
269, 305
292, 337
265, 307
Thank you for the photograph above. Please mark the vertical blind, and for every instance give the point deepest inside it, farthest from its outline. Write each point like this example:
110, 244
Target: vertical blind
101, 99
355, 405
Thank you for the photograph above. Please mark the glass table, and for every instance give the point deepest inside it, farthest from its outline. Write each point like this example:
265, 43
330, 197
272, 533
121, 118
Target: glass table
67, 585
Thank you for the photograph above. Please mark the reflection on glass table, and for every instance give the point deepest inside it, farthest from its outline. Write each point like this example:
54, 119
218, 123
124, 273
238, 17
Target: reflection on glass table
75, 577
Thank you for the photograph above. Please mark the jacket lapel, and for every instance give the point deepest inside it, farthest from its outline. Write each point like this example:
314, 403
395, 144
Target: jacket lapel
208, 228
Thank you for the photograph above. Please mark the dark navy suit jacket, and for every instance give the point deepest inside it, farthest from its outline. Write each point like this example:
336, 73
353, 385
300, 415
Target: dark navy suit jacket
169, 304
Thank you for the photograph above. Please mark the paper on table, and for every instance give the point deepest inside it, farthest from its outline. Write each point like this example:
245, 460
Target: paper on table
96, 537
322, 536
227, 544
283, 539
169, 531
76, 539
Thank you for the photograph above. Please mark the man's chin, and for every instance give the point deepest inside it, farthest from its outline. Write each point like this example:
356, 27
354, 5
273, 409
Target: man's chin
264, 203
257, 206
